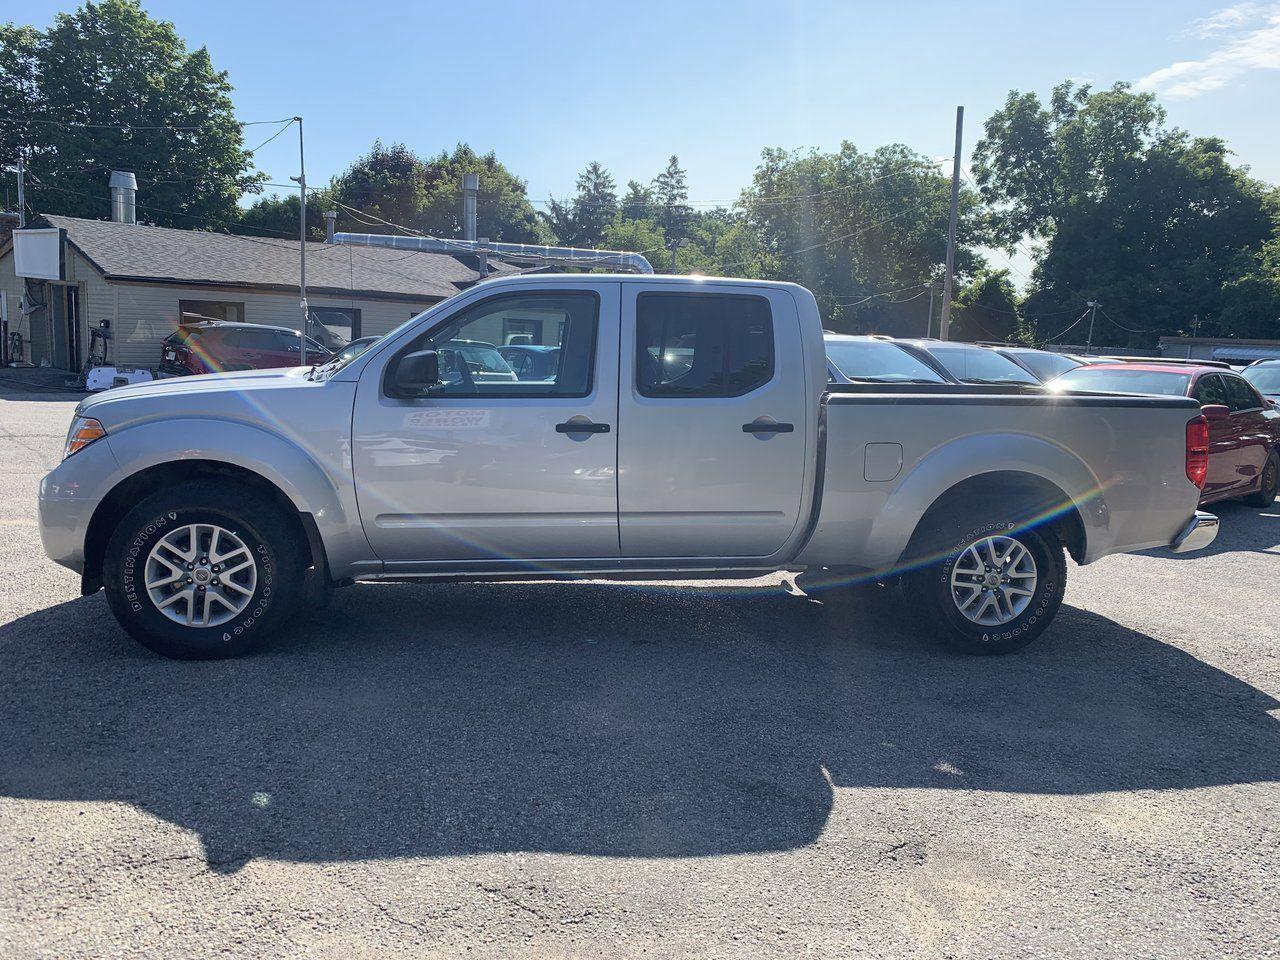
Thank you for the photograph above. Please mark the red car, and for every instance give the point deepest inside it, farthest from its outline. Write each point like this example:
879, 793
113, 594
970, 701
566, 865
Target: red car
1243, 426
215, 346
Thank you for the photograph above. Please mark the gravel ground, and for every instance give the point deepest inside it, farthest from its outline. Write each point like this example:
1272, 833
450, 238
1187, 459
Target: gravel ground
678, 769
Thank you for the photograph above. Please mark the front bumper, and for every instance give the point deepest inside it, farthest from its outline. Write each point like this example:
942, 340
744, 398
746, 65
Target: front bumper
69, 495
1199, 532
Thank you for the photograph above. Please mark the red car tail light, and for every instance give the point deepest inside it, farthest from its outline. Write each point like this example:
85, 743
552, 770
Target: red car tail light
1197, 450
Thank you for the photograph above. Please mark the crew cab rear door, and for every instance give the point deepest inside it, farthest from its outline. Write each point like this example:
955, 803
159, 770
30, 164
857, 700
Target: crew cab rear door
712, 420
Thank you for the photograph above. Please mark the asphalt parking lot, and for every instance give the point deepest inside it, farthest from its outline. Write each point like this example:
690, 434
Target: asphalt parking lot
697, 769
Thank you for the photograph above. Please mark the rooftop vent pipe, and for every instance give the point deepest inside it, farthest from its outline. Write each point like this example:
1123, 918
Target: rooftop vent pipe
124, 191
521, 253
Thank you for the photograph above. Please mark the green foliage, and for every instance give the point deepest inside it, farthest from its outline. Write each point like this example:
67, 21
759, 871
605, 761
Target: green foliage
670, 200
394, 184
110, 63
863, 231
278, 216
583, 220
637, 202
986, 308
1154, 223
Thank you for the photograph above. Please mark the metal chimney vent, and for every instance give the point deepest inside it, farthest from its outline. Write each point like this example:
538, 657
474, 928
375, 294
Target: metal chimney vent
124, 191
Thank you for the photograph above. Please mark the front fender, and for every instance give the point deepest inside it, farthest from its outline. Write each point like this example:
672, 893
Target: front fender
971, 456
316, 480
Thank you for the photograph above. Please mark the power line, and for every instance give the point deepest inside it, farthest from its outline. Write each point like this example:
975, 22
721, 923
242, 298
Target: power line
287, 125
133, 126
1067, 329
1122, 326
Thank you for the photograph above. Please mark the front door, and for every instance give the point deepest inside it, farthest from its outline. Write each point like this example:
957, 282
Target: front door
490, 466
712, 422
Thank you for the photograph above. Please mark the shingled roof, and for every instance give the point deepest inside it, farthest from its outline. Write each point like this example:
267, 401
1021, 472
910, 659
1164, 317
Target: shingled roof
130, 251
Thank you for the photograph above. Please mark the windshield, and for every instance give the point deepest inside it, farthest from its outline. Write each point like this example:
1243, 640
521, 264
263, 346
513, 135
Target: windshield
1265, 379
978, 365
1046, 365
878, 360
1118, 379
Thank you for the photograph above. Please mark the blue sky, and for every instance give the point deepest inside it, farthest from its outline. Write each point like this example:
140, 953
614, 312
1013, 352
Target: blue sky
554, 85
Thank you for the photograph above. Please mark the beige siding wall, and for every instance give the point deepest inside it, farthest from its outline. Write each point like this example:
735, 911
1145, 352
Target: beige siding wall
143, 314
148, 312
97, 301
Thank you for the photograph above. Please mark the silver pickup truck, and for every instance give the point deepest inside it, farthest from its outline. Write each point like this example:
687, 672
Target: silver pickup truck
671, 427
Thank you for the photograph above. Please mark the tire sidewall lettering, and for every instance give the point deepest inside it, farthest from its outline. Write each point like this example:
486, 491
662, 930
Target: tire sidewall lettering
134, 561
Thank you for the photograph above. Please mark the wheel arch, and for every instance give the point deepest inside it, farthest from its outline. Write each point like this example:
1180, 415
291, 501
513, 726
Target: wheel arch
129, 491
1037, 500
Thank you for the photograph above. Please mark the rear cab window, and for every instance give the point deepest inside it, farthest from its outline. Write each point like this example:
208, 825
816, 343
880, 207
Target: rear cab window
702, 344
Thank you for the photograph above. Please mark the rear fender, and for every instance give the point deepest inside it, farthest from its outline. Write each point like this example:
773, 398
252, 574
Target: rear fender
972, 456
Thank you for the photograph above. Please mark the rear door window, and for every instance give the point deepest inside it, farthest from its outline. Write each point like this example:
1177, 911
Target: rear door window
702, 345
242, 338
1241, 395
1211, 389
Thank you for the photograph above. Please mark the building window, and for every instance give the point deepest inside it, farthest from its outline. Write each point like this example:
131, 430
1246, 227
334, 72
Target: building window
334, 327
193, 311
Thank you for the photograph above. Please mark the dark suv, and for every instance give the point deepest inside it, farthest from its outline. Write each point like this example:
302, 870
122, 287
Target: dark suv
216, 346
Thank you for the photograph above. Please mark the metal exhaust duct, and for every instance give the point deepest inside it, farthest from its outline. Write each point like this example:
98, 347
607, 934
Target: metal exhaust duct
523, 253
124, 190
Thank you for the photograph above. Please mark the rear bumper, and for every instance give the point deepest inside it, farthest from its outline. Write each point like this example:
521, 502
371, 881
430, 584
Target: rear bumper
1199, 532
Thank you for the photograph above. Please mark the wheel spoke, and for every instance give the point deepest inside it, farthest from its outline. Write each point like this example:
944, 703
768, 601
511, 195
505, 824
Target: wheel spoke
187, 553
993, 580
974, 594
242, 590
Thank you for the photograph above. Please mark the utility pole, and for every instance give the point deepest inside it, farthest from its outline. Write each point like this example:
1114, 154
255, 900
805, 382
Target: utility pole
928, 328
21, 171
1093, 307
673, 246
949, 282
470, 185
301, 180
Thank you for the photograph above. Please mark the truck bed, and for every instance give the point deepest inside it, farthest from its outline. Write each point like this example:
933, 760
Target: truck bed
887, 454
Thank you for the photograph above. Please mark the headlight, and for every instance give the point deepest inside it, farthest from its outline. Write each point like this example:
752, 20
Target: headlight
84, 430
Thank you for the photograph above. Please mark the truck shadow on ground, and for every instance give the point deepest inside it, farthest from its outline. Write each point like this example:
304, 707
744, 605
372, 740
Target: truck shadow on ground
611, 720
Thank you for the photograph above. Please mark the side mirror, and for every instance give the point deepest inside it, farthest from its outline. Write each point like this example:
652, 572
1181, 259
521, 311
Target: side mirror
1215, 412
417, 373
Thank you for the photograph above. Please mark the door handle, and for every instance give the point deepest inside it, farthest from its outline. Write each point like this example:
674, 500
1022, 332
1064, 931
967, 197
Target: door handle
767, 426
581, 426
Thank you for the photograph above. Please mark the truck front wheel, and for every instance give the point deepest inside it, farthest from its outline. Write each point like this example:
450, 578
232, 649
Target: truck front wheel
202, 571
991, 587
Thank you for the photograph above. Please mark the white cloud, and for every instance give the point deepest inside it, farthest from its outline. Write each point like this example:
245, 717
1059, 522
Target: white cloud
1226, 19
1251, 35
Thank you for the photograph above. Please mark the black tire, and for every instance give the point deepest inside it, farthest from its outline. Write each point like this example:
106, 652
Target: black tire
1266, 494
927, 590
260, 526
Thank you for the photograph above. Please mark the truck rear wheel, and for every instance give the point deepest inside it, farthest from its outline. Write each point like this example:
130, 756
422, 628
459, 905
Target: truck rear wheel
988, 587
202, 571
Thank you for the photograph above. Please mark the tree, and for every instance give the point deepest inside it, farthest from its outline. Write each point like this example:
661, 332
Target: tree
637, 202
396, 185
1148, 220
582, 221
864, 231
278, 216
986, 308
671, 209
102, 90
